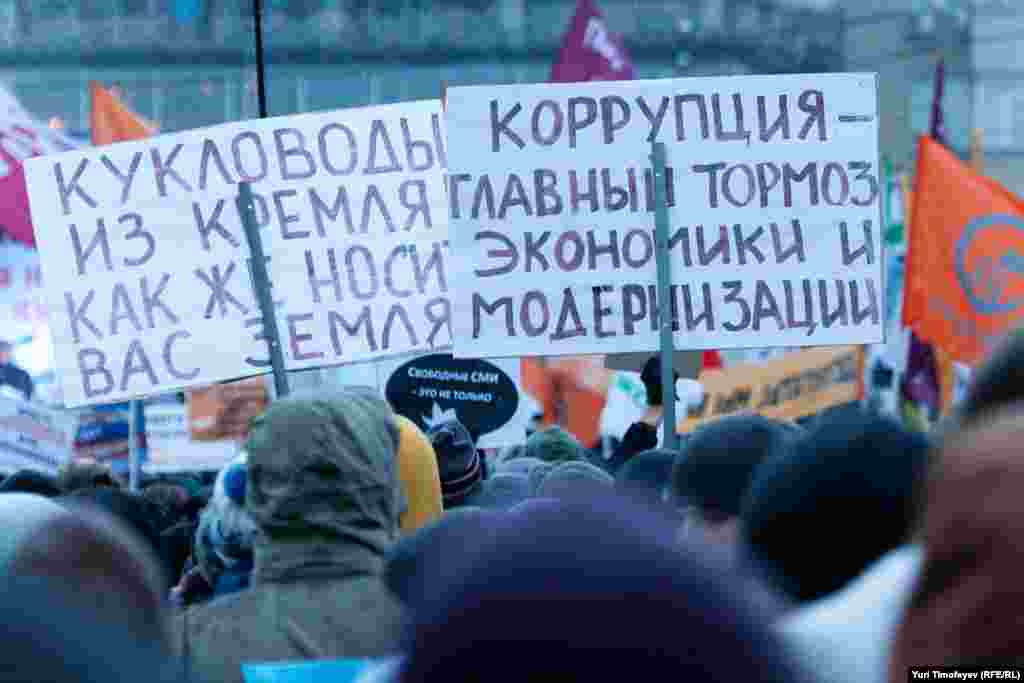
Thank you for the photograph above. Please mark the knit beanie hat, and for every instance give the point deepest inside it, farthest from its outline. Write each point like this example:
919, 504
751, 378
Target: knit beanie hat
554, 445
226, 532
574, 479
502, 491
458, 462
419, 561
520, 466
718, 461
421, 481
647, 476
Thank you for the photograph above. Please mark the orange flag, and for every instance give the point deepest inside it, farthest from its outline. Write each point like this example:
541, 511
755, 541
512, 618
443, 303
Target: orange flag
112, 121
965, 256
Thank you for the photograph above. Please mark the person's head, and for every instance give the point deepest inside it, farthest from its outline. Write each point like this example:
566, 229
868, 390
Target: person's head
6, 351
554, 445
55, 632
589, 591
714, 468
113, 572
998, 383
28, 481
458, 462
574, 479
521, 466
421, 479
651, 378
966, 605
226, 533
845, 494
647, 477
502, 491
78, 475
131, 510
322, 472
172, 498
430, 557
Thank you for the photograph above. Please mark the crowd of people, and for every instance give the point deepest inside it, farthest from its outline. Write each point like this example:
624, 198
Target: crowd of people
846, 549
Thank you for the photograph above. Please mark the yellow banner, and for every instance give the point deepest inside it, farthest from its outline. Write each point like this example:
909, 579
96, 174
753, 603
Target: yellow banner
796, 385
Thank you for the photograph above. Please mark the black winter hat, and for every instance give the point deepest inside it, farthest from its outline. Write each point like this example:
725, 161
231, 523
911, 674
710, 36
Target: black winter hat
843, 496
458, 462
591, 591
717, 461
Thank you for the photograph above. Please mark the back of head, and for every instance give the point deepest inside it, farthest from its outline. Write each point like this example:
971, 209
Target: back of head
132, 510
651, 378
502, 491
29, 481
458, 462
521, 466
717, 462
421, 480
589, 591
998, 383
647, 476
967, 602
843, 496
574, 479
322, 471
52, 634
75, 476
171, 498
112, 572
421, 562
554, 445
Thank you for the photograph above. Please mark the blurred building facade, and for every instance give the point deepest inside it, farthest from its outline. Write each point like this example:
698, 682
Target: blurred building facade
982, 42
190, 63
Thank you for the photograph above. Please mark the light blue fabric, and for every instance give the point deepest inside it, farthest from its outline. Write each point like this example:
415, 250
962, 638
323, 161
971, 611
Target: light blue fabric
327, 671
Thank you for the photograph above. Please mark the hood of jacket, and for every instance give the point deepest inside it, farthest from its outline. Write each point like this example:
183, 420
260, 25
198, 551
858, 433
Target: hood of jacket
323, 487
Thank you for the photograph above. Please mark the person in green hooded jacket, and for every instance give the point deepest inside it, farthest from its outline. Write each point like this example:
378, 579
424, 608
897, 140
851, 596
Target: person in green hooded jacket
325, 493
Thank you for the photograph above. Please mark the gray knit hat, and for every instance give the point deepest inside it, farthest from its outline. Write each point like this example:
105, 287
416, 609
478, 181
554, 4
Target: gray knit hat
554, 445
573, 479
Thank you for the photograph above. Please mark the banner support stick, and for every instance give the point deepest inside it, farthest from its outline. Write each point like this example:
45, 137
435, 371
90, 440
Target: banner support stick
261, 285
667, 348
136, 431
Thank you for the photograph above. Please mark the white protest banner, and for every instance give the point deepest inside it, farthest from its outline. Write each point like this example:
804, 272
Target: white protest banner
773, 195
34, 437
147, 268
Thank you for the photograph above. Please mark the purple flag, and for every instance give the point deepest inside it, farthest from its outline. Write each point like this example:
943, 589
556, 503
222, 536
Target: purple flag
590, 52
920, 382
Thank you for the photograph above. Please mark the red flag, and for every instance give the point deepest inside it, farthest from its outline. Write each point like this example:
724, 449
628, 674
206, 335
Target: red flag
112, 121
965, 274
21, 137
591, 52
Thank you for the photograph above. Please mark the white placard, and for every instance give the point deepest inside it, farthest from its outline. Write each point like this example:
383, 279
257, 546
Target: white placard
146, 263
170, 447
774, 214
34, 437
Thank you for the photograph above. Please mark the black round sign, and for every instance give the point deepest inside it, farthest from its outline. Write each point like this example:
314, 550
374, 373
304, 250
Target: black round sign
435, 388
